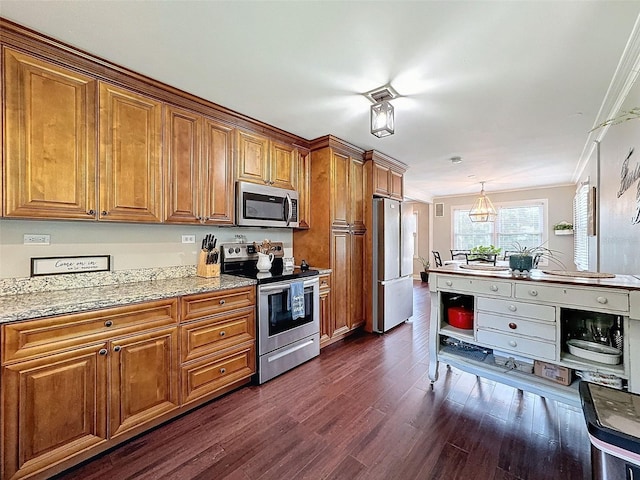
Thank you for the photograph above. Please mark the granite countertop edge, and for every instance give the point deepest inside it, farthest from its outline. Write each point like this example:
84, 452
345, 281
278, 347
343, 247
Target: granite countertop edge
30, 306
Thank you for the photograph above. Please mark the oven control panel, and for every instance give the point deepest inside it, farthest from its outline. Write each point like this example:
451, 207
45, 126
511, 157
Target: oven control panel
248, 251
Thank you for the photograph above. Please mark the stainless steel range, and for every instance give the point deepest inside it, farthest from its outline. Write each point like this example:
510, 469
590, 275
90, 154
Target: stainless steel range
288, 324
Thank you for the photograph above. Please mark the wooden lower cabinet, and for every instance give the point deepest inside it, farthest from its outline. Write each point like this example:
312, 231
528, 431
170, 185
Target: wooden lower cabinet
53, 408
63, 401
144, 379
325, 309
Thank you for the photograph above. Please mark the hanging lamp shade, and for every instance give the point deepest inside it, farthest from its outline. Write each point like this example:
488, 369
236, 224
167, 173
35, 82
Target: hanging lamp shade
382, 121
482, 210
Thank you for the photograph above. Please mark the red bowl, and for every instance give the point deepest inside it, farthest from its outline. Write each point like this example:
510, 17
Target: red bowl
460, 317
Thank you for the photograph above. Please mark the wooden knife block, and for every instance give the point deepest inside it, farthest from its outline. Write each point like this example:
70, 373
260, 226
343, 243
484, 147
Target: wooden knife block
207, 270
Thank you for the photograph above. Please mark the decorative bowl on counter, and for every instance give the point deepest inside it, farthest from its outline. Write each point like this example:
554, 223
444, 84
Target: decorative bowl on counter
596, 352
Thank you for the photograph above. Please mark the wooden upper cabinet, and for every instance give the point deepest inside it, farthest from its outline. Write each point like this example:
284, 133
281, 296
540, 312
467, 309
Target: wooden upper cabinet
130, 149
386, 175
49, 141
198, 163
266, 162
283, 166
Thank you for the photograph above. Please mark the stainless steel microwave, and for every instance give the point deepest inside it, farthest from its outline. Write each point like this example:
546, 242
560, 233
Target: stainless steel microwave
265, 206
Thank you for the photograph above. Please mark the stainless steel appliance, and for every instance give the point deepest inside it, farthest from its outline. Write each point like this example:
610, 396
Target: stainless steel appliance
265, 206
284, 342
392, 264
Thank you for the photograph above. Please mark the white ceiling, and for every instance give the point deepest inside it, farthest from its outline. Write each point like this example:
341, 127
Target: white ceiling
512, 87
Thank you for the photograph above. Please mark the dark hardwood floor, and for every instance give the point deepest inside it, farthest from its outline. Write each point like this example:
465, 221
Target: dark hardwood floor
363, 410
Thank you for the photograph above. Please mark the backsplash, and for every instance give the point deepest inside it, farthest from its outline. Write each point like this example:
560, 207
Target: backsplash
50, 283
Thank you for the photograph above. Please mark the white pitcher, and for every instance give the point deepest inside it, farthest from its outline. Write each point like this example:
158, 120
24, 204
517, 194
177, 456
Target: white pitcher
264, 261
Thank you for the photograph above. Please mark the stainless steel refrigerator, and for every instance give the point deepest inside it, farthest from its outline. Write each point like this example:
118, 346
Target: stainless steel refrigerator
392, 264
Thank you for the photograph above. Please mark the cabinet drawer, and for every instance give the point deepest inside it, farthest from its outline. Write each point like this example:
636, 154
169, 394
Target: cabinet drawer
517, 309
518, 326
519, 345
474, 285
215, 372
580, 297
206, 304
213, 334
37, 337
325, 282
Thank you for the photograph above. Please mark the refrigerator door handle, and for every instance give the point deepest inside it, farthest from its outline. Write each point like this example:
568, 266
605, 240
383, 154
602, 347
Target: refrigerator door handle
392, 281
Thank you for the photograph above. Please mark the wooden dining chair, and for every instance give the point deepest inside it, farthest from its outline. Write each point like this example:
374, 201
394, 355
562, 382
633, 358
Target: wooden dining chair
481, 258
459, 254
437, 258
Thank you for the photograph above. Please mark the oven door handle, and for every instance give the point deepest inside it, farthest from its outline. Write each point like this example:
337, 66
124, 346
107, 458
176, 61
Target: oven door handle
279, 287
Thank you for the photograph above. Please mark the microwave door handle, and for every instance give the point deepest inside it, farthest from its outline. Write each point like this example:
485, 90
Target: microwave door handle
288, 209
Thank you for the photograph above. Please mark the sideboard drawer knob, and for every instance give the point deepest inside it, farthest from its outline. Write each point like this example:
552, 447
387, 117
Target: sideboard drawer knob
533, 293
513, 343
513, 308
493, 288
602, 300
449, 283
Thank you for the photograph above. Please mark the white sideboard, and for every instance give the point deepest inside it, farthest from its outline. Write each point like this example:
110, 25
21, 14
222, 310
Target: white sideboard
531, 319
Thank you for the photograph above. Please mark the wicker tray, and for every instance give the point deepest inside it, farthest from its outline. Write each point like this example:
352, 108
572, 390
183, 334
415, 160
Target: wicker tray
564, 273
487, 268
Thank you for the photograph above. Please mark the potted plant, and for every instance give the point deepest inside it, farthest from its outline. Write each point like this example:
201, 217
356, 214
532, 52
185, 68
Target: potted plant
563, 228
526, 258
484, 252
424, 274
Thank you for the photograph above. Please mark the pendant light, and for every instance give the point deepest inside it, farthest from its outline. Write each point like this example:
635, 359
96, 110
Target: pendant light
382, 115
482, 210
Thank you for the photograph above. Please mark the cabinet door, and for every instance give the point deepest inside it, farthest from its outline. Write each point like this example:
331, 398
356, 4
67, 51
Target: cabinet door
304, 188
325, 309
144, 383
130, 145
381, 180
340, 246
53, 407
217, 174
49, 140
340, 196
283, 166
182, 160
253, 158
357, 294
396, 180
356, 195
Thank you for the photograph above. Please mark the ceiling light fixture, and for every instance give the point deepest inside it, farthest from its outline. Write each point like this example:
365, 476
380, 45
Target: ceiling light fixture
482, 210
382, 115
456, 160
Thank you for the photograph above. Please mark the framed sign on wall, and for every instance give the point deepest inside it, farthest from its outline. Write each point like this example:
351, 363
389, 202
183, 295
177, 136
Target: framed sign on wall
77, 264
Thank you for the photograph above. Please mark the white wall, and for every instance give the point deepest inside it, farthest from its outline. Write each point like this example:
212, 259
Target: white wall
422, 211
131, 246
560, 208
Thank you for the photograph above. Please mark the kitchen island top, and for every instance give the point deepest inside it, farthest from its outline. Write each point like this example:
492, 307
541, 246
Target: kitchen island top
44, 304
629, 282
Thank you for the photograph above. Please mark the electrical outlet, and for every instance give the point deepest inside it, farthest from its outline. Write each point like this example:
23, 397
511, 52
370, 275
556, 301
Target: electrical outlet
188, 239
37, 239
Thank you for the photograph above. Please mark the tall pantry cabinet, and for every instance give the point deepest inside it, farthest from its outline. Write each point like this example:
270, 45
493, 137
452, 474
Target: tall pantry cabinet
336, 237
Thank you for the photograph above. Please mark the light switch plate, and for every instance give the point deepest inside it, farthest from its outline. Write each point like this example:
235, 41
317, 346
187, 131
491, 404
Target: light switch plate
188, 239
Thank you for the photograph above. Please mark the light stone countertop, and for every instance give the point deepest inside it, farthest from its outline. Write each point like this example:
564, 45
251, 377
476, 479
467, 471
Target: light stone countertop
44, 304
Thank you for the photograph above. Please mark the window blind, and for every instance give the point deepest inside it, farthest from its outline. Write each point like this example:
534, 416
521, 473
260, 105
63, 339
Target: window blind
580, 219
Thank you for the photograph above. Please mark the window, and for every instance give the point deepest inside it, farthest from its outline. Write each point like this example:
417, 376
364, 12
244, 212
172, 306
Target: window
522, 222
580, 219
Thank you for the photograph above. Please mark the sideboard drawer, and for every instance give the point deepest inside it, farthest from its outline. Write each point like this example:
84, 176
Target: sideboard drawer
516, 344
517, 309
474, 285
518, 326
580, 297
